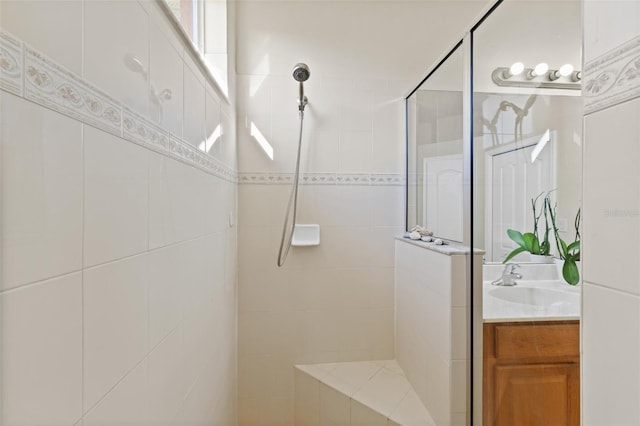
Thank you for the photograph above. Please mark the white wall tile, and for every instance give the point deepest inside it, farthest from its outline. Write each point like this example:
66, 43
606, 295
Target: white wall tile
219, 203
384, 391
229, 154
126, 403
355, 151
599, 36
361, 415
166, 280
176, 201
165, 74
307, 399
334, 407
41, 158
194, 279
194, 343
115, 323
388, 156
128, 310
106, 62
166, 379
213, 126
411, 412
116, 197
199, 405
426, 353
251, 197
459, 388
388, 206
612, 197
322, 149
42, 352
194, 108
610, 352
55, 27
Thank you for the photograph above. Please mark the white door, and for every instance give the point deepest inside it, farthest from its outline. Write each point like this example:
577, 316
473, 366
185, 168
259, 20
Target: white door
514, 181
442, 178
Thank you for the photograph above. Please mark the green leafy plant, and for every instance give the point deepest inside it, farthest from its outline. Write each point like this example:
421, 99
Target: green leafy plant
530, 241
569, 253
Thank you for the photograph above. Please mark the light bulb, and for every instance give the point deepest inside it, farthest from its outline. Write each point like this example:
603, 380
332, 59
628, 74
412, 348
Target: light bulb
576, 76
565, 70
541, 68
516, 68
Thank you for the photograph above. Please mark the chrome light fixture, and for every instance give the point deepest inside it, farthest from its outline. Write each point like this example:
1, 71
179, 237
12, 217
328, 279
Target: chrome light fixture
540, 76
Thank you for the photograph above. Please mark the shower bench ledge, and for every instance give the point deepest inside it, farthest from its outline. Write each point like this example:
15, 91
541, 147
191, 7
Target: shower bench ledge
371, 393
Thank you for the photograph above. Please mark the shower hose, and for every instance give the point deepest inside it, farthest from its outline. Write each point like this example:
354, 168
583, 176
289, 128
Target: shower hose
293, 200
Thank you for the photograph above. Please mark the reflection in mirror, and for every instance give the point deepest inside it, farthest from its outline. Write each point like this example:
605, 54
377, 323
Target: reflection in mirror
527, 136
435, 151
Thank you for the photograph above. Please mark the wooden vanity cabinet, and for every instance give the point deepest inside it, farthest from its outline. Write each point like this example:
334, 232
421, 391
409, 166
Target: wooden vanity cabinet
531, 374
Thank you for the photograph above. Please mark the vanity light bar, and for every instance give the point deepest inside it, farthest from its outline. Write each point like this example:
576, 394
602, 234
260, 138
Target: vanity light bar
539, 76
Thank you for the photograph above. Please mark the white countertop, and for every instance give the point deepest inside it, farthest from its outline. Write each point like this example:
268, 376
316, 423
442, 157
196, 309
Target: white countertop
554, 301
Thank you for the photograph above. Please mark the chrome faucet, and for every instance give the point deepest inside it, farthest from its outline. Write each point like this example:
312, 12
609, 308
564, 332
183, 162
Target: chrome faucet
509, 275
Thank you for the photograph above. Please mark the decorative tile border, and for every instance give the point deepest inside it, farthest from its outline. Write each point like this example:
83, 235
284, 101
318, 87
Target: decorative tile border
50, 85
385, 179
137, 129
612, 78
11, 60
28, 73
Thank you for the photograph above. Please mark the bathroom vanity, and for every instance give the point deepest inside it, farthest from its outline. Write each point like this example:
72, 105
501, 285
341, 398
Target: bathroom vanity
531, 373
531, 354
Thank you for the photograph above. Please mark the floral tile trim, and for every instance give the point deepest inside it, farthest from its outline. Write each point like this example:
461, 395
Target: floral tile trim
138, 130
27, 73
388, 179
612, 78
50, 85
391, 179
11, 60
265, 178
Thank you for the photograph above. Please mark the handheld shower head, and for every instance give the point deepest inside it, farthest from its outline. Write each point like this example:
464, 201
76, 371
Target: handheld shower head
301, 72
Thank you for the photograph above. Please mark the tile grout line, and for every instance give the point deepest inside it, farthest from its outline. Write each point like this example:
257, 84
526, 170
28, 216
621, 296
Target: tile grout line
613, 289
82, 244
88, 268
82, 192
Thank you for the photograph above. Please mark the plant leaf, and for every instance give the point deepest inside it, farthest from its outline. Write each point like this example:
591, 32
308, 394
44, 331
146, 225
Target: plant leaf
563, 247
573, 246
570, 272
513, 253
544, 248
529, 239
516, 236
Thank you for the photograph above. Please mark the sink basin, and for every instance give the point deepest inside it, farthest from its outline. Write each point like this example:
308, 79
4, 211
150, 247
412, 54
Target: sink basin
535, 296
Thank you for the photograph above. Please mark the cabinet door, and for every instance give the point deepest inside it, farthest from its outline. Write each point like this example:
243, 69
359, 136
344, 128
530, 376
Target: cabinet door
537, 395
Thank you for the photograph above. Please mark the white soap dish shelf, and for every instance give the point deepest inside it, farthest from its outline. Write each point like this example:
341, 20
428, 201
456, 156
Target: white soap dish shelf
306, 235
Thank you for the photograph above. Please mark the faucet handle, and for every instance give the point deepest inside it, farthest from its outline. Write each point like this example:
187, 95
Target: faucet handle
514, 266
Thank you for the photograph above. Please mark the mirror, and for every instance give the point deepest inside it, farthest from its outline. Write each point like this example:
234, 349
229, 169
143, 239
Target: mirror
527, 127
434, 149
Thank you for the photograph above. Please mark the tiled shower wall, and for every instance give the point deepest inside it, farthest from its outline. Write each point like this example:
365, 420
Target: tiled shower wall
333, 302
118, 249
611, 194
